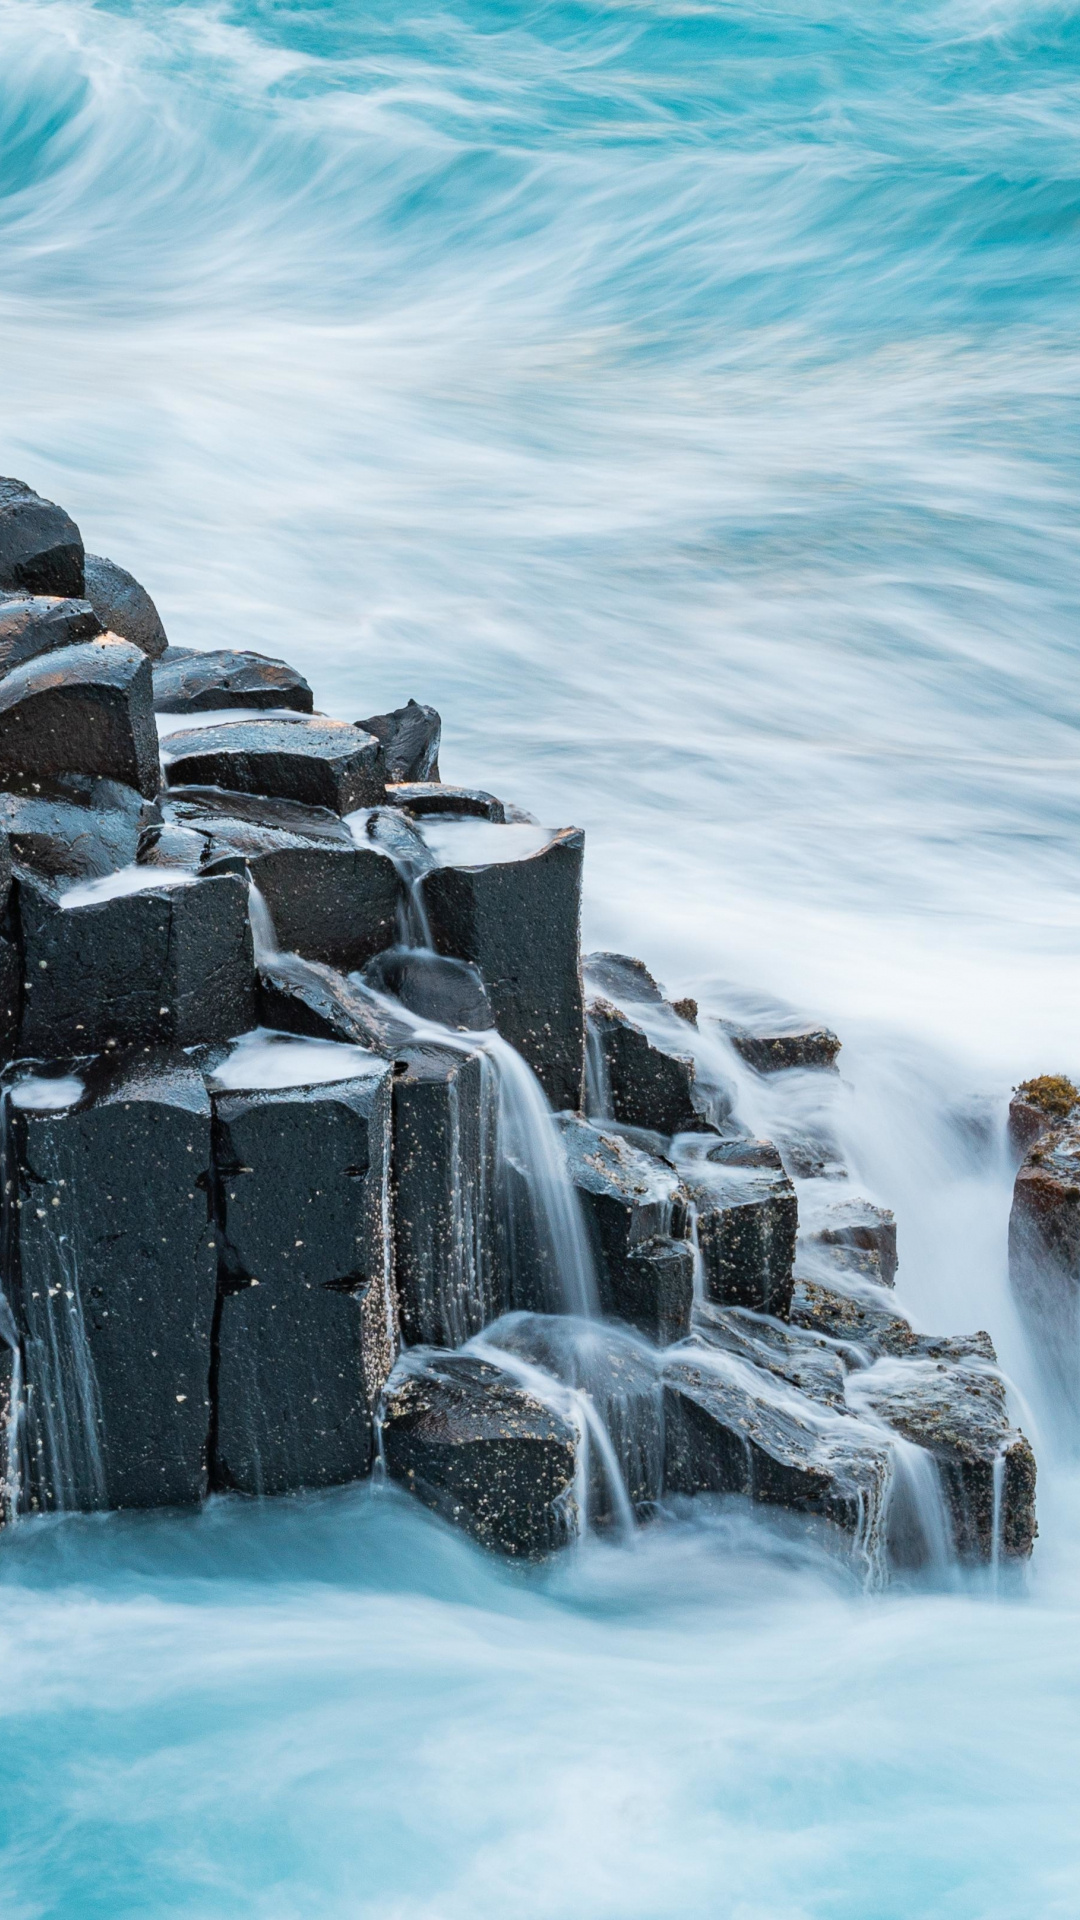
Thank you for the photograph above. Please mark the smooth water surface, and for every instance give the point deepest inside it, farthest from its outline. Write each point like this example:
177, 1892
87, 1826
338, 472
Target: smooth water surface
683, 398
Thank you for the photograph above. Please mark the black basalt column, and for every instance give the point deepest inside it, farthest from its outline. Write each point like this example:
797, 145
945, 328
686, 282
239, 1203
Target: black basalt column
111, 1271
306, 1329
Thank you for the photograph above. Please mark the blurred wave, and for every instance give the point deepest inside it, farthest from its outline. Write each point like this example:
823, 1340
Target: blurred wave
684, 397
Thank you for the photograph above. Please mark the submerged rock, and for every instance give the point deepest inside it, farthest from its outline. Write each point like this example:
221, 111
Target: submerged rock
518, 920
779, 1045
450, 1274
112, 1277
987, 1469
321, 763
449, 993
635, 1207
409, 737
165, 964
306, 1326
862, 1238
87, 709
190, 682
869, 1326
41, 549
804, 1359
483, 1451
123, 606
31, 625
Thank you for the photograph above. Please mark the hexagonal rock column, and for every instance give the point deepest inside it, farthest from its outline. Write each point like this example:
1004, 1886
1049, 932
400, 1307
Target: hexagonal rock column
33, 625
635, 1207
189, 682
483, 1451
123, 606
164, 964
747, 1219
306, 1331
1044, 1254
321, 763
111, 1272
83, 709
448, 1267
517, 916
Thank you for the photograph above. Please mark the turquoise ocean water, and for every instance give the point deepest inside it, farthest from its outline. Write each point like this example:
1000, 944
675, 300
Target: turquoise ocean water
683, 398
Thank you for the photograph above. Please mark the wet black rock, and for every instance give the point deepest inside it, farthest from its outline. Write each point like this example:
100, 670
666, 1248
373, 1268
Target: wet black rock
450, 1274
167, 964
518, 920
123, 606
862, 1235
190, 682
112, 1274
635, 1210
451, 993
618, 976
31, 625
87, 709
41, 549
321, 763
306, 998
805, 1359
731, 1428
645, 1080
1044, 1254
338, 905
778, 1046
747, 1219
482, 1451
986, 1466
428, 797
77, 827
305, 1332
409, 737
10, 998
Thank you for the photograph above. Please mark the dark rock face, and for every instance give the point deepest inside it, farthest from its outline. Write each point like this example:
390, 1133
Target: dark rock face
1044, 1253
321, 763
409, 738
32, 625
334, 904
779, 1046
305, 1335
87, 709
167, 965
635, 1208
111, 1268
76, 828
864, 1237
423, 797
41, 549
190, 682
252, 822
482, 1451
123, 606
449, 992
648, 1085
729, 1429
10, 1001
305, 998
618, 976
518, 921
987, 1468
747, 1218
446, 1233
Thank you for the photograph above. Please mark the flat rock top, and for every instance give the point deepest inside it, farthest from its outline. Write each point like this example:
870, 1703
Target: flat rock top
482, 843
317, 739
602, 1162
93, 663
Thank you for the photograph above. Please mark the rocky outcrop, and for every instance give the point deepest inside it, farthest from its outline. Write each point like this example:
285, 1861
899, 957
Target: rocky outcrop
409, 738
429, 797
782, 1046
746, 1222
1044, 1232
32, 625
635, 1207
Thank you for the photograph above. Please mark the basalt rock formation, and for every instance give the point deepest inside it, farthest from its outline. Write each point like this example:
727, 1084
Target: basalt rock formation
323, 1148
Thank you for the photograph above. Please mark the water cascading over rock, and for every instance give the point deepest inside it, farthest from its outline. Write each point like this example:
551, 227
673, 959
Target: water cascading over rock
325, 1153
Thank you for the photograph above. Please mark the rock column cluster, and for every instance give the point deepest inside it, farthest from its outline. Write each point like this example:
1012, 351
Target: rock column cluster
323, 1147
